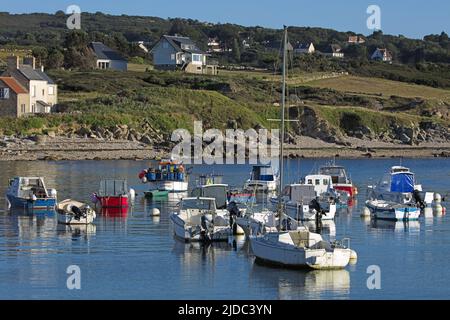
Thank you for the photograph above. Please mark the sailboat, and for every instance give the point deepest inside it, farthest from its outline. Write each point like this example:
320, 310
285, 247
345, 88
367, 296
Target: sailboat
298, 248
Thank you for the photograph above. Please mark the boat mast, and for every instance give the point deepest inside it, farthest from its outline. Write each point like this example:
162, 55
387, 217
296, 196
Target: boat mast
283, 107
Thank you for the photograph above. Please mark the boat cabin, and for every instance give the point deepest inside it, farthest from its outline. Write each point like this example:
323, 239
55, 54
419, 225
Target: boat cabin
262, 173
337, 173
27, 187
399, 179
217, 191
299, 193
198, 203
113, 188
322, 183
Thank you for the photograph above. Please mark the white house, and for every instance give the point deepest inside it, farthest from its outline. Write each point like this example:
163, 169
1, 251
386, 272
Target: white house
305, 48
107, 58
382, 55
181, 53
43, 91
334, 51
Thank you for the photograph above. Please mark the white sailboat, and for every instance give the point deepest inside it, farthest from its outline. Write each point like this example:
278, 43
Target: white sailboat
299, 248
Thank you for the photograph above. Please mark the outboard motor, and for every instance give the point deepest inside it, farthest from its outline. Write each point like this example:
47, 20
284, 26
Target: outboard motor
233, 209
418, 199
77, 212
320, 212
205, 223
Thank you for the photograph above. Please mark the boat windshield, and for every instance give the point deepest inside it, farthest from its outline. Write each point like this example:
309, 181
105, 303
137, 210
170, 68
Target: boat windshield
200, 204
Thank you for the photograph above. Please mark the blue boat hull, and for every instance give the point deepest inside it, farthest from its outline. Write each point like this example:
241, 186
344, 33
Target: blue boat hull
47, 203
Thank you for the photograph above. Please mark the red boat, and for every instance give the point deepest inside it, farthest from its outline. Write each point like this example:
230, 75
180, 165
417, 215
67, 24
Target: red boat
112, 194
340, 179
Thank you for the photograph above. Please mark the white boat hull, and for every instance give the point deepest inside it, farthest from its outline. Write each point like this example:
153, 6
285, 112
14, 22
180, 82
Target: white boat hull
304, 213
190, 233
295, 257
171, 186
384, 211
67, 217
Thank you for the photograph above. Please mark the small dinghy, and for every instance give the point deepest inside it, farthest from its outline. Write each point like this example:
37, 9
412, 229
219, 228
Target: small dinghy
75, 212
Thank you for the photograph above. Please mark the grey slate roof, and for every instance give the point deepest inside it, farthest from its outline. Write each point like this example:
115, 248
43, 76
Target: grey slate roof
180, 43
104, 52
34, 74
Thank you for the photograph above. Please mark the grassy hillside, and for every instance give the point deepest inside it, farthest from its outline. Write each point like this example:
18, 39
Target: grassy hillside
170, 100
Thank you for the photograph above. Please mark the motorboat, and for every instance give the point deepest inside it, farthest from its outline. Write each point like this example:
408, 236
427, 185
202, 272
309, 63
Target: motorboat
301, 249
397, 196
30, 193
340, 179
388, 210
113, 194
302, 203
199, 219
262, 179
72, 212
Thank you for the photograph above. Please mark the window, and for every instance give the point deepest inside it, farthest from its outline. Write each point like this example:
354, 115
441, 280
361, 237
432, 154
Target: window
317, 182
51, 90
43, 92
325, 182
22, 108
172, 56
196, 57
4, 93
165, 45
33, 108
33, 91
309, 181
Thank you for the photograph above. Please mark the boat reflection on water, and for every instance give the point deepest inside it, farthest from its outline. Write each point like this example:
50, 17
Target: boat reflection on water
397, 226
301, 284
325, 228
32, 224
114, 212
76, 231
194, 253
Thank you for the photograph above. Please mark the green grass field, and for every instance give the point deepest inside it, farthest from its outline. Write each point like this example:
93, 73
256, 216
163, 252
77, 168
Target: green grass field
382, 87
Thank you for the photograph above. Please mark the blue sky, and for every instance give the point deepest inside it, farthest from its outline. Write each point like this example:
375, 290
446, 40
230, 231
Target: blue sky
413, 18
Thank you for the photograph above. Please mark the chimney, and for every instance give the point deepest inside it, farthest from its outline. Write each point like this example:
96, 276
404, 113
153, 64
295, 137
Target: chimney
30, 61
13, 63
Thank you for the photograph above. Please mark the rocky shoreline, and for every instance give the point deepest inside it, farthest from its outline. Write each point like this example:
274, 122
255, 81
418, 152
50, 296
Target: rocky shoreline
54, 148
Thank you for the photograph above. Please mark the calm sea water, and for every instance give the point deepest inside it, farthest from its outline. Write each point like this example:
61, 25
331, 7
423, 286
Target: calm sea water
134, 256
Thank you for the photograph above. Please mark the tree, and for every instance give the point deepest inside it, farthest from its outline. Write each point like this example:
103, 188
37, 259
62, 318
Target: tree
55, 59
236, 50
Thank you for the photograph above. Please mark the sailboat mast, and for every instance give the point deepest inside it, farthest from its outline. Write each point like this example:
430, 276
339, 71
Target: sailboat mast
283, 107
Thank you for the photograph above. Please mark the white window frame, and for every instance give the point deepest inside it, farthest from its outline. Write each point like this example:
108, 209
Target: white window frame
33, 91
51, 90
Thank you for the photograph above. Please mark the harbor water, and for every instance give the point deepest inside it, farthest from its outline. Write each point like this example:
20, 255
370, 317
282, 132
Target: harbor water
132, 255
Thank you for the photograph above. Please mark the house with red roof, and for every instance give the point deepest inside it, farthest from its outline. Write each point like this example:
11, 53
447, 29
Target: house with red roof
41, 90
14, 98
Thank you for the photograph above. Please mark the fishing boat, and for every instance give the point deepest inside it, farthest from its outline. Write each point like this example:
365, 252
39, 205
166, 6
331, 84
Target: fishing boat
340, 179
298, 248
113, 194
30, 193
199, 220
73, 212
165, 178
262, 179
